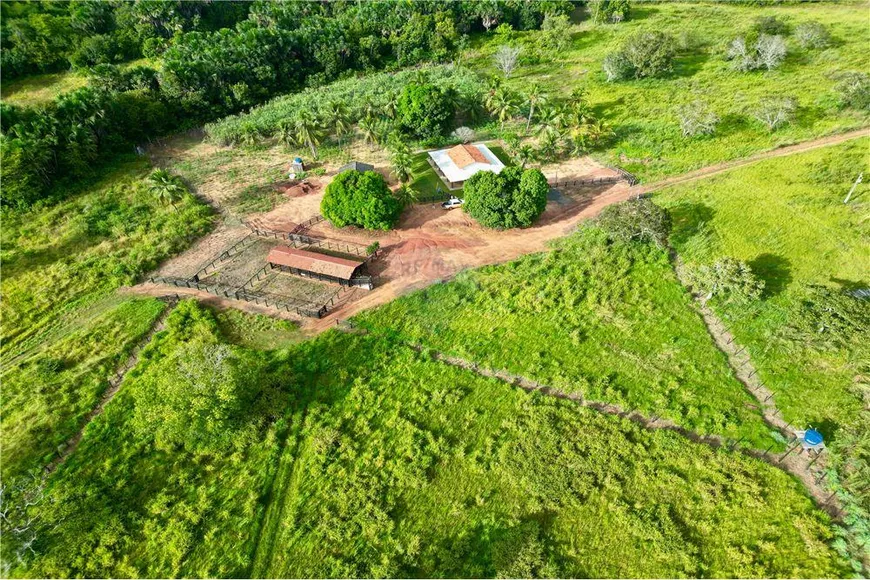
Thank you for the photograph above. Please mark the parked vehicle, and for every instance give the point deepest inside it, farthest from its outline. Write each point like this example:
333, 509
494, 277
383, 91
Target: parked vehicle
453, 203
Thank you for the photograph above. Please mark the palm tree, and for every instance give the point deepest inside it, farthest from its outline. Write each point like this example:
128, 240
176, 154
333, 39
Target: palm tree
406, 194
402, 163
165, 187
338, 118
308, 130
502, 107
535, 98
549, 145
524, 153
491, 92
578, 107
391, 105
598, 130
286, 133
578, 142
368, 126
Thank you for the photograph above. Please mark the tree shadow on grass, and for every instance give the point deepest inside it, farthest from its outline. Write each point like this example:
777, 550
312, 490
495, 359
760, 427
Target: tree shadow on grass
774, 270
689, 220
689, 65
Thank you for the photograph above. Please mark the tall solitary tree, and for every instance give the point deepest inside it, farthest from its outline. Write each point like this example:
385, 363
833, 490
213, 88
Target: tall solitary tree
308, 130
338, 119
535, 98
502, 106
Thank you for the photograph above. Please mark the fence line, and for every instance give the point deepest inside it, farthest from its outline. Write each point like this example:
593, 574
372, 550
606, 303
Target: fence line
294, 239
309, 310
307, 224
233, 250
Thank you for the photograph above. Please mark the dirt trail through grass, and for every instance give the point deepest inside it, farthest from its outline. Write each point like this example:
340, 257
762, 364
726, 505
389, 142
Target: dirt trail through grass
794, 463
114, 386
710, 170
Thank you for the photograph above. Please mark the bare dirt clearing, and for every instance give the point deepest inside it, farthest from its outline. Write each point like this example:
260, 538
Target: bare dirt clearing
428, 245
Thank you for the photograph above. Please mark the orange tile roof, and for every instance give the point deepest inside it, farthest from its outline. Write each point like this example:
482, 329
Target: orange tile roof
313, 262
464, 155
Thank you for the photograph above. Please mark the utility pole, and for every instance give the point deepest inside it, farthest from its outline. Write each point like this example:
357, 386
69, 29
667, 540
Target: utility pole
854, 185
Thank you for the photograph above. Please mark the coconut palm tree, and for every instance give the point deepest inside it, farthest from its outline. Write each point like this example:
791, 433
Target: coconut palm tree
598, 130
406, 194
523, 154
368, 126
308, 130
165, 187
338, 119
286, 132
402, 163
578, 142
502, 107
535, 98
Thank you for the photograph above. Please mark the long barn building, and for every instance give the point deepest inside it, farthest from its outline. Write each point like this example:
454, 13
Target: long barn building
323, 267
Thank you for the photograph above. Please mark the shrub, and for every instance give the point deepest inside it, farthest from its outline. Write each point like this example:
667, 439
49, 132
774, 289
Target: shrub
361, 199
636, 220
772, 25
645, 54
854, 90
812, 35
766, 52
617, 67
510, 199
697, 118
424, 110
775, 112
825, 317
464, 134
609, 10
556, 32
728, 279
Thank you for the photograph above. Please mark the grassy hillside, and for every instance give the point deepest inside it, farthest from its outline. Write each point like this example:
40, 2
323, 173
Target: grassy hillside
64, 330
643, 113
787, 219
608, 321
356, 456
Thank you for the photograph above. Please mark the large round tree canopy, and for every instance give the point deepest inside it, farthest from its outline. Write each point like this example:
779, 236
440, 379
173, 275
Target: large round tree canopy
511, 199
361, 199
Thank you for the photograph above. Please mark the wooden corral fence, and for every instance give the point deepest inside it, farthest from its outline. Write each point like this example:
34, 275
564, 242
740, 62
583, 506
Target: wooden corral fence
303, 309
300, 240
362, 281
306, 225
622, 175
233, 250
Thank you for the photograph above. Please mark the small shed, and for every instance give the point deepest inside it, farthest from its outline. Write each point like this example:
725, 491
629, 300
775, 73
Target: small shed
314, 265
356, 166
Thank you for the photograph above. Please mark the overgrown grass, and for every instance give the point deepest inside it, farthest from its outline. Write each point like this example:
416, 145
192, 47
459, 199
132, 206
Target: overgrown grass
124, 506
105, 234
257, 331
40, 89
643, 113
787, 219
408, 467
609, 321
47, 395
375, 460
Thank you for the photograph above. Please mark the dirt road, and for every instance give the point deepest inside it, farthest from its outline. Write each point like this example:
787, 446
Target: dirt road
710, 170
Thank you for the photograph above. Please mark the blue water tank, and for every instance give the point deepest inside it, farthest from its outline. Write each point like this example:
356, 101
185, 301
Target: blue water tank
813, 437
297, 160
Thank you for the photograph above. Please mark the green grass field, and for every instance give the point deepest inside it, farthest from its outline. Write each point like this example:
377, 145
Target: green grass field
64, 328
373, 460
40, 89
787, 219
642, 113
407, 467
608, 321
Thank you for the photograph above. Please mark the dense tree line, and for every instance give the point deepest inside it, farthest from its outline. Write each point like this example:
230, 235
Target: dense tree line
217, 58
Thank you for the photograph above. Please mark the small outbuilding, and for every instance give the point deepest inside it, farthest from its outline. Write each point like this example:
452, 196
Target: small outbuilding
315, 265
356, 166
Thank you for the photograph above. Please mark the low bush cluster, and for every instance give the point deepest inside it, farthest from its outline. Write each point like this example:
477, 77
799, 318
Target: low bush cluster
644, 54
